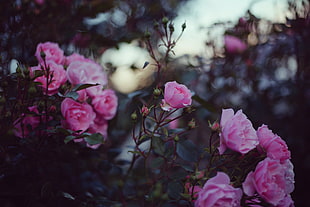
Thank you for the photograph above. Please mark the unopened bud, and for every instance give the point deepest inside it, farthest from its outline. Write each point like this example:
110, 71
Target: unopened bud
32, 90
134, 116
183, 26
147, 34
165, 20
156, 92
176, 138
215, 126
191, 124
42, 54
171, 28
145, 111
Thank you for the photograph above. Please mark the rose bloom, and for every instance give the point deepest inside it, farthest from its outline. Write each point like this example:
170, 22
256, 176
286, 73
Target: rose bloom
51, 51
25, 124
272, 180
274, 146
57, 73
217, 191
76, 57
105, 103
176, 96
237, 132
234, 44
78, 116
81, 72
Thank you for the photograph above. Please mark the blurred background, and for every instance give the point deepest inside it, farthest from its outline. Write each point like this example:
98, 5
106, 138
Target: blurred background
268, 77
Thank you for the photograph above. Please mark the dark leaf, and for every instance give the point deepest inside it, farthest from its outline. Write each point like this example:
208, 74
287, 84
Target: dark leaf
83, 86
187, 151
175, 189
94, 139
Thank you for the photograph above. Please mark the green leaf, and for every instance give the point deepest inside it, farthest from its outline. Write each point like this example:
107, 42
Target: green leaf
38, 73
187, 151
175, 190
72, 94
157, 162
83, 86
158, 145
69, 138
94, 139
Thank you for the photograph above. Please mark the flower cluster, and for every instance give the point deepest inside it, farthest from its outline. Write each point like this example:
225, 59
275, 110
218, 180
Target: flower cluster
86, 106
272, 179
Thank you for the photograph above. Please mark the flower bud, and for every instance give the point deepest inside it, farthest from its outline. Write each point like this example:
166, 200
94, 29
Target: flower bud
215, 126
42, 54
156, 92
145, 111
183, 26
171, 28
134, 116
191, 124
32, 90
147, 34
164, 20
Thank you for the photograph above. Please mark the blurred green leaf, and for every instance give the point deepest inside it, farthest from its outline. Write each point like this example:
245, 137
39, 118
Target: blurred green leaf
175, 189
158, 145
95, 138
157, 162
187, 151
69, 138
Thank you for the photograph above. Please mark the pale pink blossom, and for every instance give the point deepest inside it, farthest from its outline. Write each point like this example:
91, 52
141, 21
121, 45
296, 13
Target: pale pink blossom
272, 144
272, 181
217, 191
81, 72
51, 80
237, 132
176, 96
234, 44
78, 116
52, 52
105, 103
76, 57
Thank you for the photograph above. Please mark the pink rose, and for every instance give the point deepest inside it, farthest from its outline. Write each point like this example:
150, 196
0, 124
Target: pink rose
25, 124
237, 132
105, 103
78, 116
81, 72
77, 57
217, 191
57, 77
272, 180
51, 51
234, 44
286, 202
274, 146
176, 96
